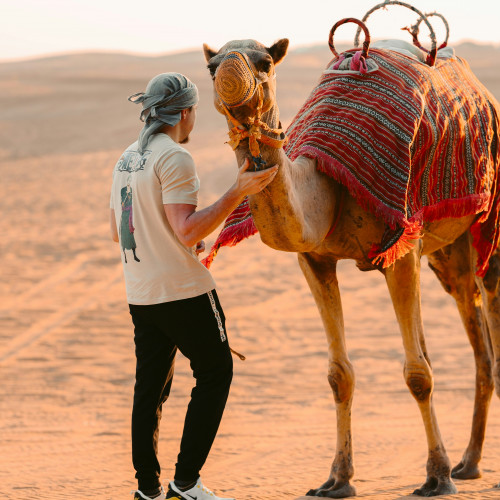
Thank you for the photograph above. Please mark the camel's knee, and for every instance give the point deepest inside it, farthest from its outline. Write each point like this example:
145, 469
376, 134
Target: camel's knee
418, 378
341, 379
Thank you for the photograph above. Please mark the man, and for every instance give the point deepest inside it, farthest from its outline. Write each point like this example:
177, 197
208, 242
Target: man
171, 295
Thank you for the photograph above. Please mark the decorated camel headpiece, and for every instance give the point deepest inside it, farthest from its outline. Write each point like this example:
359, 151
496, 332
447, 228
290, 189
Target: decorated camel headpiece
236, 84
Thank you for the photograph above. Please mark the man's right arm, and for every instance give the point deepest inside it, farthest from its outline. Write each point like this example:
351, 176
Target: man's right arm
192, 226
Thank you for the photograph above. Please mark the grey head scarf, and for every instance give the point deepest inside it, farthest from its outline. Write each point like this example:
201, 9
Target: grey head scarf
165, 97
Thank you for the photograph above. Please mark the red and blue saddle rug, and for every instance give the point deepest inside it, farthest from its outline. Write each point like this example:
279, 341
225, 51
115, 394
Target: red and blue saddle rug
411, 143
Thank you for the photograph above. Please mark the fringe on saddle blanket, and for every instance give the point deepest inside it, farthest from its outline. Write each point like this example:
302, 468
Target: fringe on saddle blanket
411, 143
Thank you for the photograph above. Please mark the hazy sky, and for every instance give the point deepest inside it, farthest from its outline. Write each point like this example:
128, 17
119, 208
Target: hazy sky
38, 27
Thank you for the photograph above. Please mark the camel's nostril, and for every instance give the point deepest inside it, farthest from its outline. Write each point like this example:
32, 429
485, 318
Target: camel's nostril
235, 82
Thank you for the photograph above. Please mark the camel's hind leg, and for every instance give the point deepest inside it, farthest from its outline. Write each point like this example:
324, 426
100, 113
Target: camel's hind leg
453, 267
321, 275
490, 294
403, 281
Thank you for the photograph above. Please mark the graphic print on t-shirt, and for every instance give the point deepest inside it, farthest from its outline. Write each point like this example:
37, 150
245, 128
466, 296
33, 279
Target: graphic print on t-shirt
132, 161
127, 228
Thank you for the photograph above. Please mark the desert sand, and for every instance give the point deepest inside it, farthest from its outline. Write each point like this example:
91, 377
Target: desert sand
66, 339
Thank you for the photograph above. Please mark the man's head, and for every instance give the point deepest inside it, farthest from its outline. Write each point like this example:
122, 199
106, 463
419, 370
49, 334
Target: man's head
169, 98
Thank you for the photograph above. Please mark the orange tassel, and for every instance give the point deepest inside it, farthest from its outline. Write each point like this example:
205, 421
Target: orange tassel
398, 250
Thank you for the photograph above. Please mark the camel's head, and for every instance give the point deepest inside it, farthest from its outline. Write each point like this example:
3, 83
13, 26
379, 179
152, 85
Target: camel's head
238, 69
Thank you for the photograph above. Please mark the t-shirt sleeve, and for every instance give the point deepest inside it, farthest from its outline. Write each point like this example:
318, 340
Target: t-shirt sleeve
178, 179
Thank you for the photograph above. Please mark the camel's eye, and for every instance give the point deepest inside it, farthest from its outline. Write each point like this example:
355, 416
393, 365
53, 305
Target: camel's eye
212, 68
265, 66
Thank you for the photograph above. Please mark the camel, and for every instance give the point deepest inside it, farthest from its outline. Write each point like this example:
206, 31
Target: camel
295, 213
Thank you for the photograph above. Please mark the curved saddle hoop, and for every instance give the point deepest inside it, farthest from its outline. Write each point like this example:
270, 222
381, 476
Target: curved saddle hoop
414, 30
431, 57
362, 26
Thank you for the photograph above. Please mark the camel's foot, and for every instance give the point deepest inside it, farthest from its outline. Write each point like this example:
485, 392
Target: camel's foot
314, 492
333, 489
434, 487
465, 471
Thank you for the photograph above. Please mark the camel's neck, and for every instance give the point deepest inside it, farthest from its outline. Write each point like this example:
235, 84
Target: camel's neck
295, 211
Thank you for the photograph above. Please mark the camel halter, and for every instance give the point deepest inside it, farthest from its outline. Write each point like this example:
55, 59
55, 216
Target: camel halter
236, 84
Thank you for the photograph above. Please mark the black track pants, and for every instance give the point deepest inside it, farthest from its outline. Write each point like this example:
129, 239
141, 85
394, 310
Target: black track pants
197, 327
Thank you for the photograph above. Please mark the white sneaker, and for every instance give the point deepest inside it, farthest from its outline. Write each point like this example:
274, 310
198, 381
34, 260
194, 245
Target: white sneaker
197, 492
139, 495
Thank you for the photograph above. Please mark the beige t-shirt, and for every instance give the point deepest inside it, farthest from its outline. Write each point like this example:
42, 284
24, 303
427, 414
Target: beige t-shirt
157, 266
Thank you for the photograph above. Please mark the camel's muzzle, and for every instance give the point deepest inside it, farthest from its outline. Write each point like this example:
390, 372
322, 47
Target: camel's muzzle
235, 82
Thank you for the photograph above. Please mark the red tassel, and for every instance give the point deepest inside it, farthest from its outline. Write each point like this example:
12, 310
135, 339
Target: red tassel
238, 226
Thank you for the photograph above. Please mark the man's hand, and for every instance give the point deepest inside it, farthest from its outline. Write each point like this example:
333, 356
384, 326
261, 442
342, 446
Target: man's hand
248, 183
191, 225
200, 247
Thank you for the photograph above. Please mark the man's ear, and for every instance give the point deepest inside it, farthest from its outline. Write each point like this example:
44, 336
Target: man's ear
278, 50
184, 113
209, 53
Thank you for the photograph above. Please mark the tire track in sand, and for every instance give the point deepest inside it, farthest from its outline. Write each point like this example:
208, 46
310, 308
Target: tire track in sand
54, 279
47, 325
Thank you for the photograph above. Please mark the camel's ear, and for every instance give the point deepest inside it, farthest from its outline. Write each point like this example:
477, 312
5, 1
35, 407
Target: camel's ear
209, 53
278, 50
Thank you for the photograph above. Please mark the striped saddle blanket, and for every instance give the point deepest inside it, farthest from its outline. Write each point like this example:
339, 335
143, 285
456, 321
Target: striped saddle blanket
411, 143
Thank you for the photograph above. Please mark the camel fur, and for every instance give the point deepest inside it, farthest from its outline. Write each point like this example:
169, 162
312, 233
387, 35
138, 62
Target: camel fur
295, 214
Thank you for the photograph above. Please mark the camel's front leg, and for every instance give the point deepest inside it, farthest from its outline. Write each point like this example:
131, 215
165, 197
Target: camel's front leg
321, 275
403, 280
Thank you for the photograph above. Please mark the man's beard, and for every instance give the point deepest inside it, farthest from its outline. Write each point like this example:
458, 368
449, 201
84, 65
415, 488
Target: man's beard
185, 140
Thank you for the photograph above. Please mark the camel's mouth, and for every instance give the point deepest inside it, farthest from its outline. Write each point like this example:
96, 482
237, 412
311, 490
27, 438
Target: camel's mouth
235, 81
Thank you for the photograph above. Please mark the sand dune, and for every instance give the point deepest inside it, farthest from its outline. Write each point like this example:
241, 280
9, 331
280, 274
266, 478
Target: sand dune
66, 344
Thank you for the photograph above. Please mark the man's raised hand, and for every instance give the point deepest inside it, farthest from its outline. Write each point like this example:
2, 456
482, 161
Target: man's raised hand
248, 183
